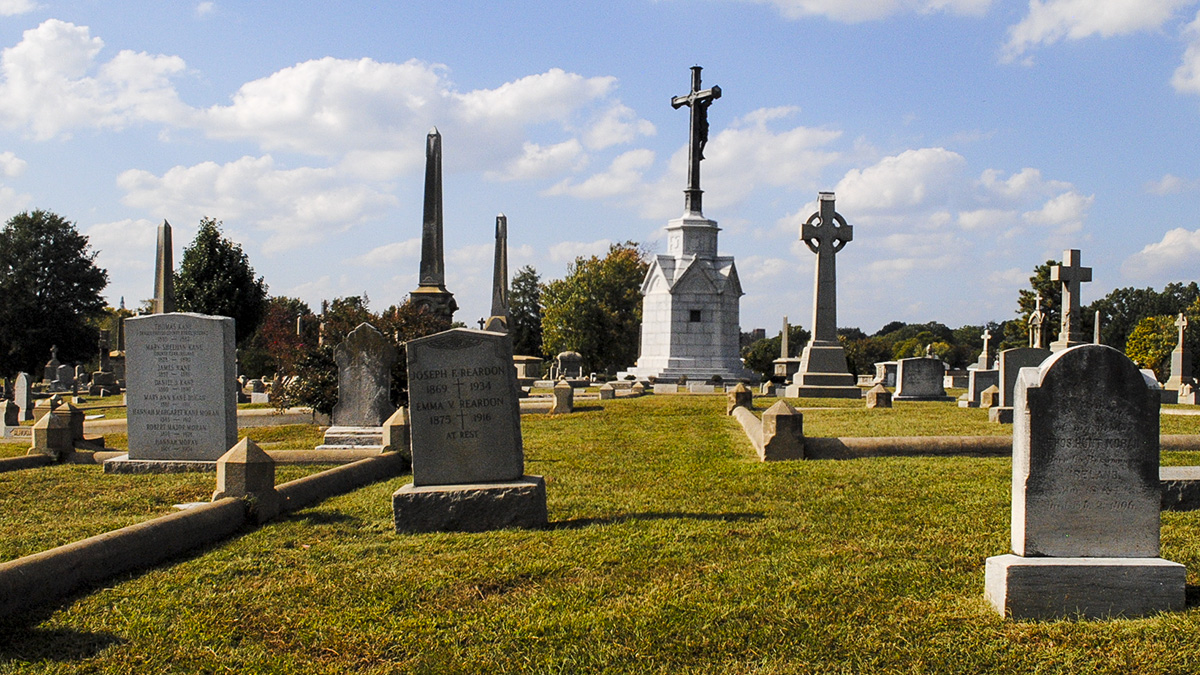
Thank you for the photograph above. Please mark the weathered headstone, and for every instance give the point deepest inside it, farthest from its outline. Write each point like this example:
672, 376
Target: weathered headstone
52, 436
879, 397
467, 454
1009, 363
11, 416
989, 398
607, 392
1181, 358
1085, 494
984, 362
364, 361
739, 396
50, 371
1036, 320
920, 379
885, 373
23, 395
570, 364
638, 389
782, 433
181, 395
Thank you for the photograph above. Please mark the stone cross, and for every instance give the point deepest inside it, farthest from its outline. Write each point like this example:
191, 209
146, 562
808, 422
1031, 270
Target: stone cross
164, 273
698, 100
1036, 318
500, 270
825, 233
1070, 273
985, 358
1181, 323
783, 342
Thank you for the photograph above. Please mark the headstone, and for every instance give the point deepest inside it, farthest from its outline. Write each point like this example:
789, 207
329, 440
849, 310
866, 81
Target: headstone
52, 436
700, 388
50, 371
431, 292
256, 386
181, 397
823, 371
1085, 494
564, 398
1037, 318
23, 395
666, 388
978, 380
638, 389
246, 472
570, 364
528, 368
885, 373
364, 361
739, 397
1011, 361
879, 397
607, 392
782, 433
1070, 273
985, 357
467, 454
786, 365
64, 380
10, 414
990, 397
920, 379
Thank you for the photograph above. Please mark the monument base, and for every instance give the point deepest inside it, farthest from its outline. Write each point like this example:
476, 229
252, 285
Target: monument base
1001, 414
471, 508
819, 391
122, 464
1180, 488
922, 398
1089, 588
343, 438
822, 373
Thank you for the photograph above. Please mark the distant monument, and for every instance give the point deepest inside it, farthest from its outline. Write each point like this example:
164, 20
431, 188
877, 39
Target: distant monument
1036, 318
431, 293
164, 273
498, 321
690, 321
1181, 358
1071, 273
823, 372
786, 365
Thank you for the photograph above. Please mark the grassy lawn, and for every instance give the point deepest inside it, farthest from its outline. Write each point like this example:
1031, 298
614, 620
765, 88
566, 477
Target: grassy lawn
669, 551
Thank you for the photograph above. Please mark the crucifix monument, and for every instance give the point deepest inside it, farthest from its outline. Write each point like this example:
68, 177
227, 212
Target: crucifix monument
985, 357
1071, 273
431, 293
823, 372
691, 296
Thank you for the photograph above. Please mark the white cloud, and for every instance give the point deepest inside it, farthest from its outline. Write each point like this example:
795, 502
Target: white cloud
297, 206
618, 124
390, 254
1170, 184
15, 7
538, 161
12, 202
622, 177
568, 251
853, 11
907, 180
1013, 276
1176, 254
1186, 78
986, 219
205, 8
11, 165
761, 269
127, 243
52, 83
1065, 212
1052, 21
1025, 183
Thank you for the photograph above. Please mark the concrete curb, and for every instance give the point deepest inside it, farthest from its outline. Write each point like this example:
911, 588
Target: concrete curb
309, 490
25, 462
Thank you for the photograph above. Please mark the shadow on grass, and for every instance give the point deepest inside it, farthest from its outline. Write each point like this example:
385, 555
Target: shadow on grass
1191, 595
668, 515
31, 644
317, 517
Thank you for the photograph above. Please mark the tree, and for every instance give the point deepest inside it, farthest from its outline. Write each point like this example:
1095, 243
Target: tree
1016, 334
50, 287
276, 346
215, 277
1122, 309
1150, 344
761, 354
596, 309
525, 312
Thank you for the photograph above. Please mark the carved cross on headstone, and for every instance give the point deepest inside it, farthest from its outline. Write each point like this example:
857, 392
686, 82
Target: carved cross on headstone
1181, 323
1036, 318
1070, 273
825, 233
698, 100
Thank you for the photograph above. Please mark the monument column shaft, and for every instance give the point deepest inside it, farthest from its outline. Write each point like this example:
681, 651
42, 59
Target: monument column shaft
433, 267
164, 272
500, 269
824, 320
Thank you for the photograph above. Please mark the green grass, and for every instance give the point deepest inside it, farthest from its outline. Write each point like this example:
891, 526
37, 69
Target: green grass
670, 551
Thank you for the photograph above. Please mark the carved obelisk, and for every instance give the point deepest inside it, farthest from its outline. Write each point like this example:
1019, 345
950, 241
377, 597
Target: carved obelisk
164, 273
431, 293
823, 372
691, 295
498, 321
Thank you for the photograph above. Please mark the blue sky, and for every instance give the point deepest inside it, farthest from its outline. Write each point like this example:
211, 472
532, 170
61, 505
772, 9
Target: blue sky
967, 140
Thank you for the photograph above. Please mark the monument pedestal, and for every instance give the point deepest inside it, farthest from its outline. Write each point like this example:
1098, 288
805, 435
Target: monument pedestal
472, 507
1093, 588
823, 373
122, 464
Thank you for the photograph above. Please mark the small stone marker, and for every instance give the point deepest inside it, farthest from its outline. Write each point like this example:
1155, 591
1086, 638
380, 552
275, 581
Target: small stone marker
181, 371
564, 398
52, 436
10, 413
364, 361
978, 380
248, 472
739, 396
879, 397
23, 396
607, 392
397, 435
638, 389
782, 433
666, 388
1085, 494
465, 420
920, 379
990, 397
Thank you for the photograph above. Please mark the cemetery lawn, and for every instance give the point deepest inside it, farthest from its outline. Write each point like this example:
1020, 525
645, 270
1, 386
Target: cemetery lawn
670, 550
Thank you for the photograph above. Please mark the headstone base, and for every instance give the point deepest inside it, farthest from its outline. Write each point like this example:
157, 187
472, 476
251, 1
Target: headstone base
1180, 488
342, 438
122, 464
1090, 588
922, 398
817, 391
1001, 414
472, 507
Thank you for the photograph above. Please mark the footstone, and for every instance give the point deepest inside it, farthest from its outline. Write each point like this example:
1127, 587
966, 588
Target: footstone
475, 507
181, 372
739, 396
338, 438
1180, 488
920, 379
670, 388
564, 398
1092, 588
989, 398
977, 381
879, 397
607, 392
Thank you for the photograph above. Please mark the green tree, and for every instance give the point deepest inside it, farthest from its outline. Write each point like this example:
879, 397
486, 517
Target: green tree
525, 312
215, 277
597, 308
760, 355
1016, 333
1150, 344
1122, 309
275, 346
50, 286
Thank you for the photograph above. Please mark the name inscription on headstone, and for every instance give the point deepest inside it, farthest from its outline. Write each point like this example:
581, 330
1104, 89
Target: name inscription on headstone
458, 401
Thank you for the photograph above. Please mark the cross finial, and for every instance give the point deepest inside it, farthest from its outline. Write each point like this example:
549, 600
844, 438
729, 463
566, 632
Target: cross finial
698, 100
1182, 324
1070, 273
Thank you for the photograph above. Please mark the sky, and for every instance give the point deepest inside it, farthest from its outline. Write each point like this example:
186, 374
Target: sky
966, 141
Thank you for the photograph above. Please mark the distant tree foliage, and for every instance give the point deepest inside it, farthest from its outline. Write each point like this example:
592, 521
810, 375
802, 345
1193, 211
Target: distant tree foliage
276, 346
215, 277
525, 312
1150, 344
1124, 308
760, 355
50, 286
596, 309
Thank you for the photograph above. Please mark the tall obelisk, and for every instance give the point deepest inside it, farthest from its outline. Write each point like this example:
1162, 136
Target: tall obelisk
164, 273
431, 293
498, 321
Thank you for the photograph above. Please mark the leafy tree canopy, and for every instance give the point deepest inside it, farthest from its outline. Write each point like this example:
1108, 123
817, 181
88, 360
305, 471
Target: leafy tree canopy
51, 289
215, 277
525, 312
760, 355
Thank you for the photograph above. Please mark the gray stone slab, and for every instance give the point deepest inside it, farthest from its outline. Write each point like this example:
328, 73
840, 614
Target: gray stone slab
123, 464
464, 409
181, 386
667, 388
701, 388
1011, 361
365, 360
1085, 458
471, 508
1090, 588
1180, 488
23, 395
977, 381
920, 379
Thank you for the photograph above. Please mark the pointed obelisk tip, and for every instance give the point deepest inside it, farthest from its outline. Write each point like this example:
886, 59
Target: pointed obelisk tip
434, 132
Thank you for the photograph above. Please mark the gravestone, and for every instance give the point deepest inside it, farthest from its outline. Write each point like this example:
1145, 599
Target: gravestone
920, 379
63, 380
499, 320
637, 389
885, 373
431, 293
1181, 358
739, 396
1010, 362
1037, 318
23, 395
666, 388
879, 397
607, 392
978, 380
1085, 494
50, 371
181, 392
1071, 273
786, 365
989, 398
570, 364
465, 425
246, 472
364, 361
564, 398
985, 357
